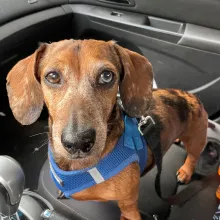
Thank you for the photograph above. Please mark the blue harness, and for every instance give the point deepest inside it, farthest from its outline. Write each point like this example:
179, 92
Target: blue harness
131, 147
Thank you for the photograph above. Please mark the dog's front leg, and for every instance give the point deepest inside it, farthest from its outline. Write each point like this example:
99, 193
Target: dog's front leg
129, 209
128, 193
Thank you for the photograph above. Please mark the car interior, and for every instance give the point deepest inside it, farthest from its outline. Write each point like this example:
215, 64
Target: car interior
182, 41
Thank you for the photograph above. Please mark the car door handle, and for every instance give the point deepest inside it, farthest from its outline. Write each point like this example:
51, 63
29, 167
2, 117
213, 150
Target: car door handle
119, 2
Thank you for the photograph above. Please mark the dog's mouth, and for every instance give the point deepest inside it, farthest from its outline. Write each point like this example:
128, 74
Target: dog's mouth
78, 155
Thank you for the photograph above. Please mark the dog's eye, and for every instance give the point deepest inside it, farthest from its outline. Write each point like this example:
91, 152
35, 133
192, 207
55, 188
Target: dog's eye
106, 77
53, 77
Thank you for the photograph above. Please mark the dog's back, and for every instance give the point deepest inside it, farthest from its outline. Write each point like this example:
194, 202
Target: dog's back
183, 102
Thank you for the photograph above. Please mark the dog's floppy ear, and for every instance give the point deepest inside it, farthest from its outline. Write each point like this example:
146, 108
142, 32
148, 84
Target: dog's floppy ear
136, 82
24, 91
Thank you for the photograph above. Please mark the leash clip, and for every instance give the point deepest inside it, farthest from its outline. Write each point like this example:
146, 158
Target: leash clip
144, 121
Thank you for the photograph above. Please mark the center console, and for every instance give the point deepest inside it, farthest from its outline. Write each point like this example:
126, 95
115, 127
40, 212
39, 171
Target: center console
17, 203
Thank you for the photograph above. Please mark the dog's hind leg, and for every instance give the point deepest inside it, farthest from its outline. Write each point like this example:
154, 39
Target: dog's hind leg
194, 141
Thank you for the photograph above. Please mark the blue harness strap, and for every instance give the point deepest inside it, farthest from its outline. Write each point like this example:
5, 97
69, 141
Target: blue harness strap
131, 147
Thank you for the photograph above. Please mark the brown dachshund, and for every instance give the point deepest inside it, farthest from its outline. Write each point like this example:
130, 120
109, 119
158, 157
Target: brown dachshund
78, 81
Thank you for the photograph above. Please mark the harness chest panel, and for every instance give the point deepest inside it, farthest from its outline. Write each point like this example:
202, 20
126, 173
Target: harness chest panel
131, 147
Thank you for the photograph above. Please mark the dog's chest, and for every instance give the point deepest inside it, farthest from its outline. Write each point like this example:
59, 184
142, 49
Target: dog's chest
115, 188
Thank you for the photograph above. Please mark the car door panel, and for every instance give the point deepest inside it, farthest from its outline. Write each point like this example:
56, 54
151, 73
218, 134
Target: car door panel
200, 12
178, 62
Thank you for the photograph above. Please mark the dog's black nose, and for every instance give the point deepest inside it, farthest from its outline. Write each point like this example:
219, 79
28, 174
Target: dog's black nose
77, 141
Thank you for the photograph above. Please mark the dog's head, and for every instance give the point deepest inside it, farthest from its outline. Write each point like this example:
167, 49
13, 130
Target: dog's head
78, 81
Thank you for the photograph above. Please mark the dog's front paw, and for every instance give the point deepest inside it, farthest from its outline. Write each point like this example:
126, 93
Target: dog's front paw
183, 176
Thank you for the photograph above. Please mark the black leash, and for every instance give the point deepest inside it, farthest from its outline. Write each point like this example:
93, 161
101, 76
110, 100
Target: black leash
147, 128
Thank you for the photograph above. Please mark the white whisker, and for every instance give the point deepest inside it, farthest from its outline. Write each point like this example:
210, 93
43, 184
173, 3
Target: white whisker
39, 134
38, 148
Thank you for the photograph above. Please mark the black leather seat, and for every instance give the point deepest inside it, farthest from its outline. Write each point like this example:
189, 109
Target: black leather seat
198, 208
